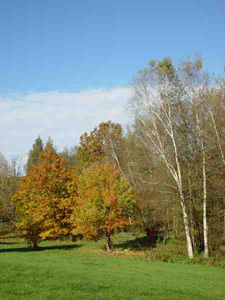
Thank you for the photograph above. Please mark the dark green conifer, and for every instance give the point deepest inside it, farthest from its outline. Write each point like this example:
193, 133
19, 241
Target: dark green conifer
33, 158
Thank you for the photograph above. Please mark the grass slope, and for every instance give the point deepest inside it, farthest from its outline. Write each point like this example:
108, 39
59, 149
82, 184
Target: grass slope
64, 270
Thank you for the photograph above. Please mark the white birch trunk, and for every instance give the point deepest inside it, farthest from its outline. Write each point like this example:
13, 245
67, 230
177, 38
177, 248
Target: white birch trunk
186, 227
205, 223
117, 161
175, 171
183, 206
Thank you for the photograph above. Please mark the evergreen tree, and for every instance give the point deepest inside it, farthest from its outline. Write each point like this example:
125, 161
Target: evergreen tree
33, 158
50, 146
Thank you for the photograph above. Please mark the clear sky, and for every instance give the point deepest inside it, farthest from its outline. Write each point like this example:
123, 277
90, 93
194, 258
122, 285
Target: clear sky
91, 47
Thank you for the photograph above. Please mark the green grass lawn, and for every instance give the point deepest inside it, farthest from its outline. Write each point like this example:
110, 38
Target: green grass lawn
66, 270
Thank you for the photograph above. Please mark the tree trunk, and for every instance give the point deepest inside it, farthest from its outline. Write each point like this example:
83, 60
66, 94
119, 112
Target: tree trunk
205, 225
186, 226
191, 209
108, 241
174, 224
35, 245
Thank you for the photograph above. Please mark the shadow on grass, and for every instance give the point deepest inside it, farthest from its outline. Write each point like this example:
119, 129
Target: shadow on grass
137, 244
44, 248
8, 243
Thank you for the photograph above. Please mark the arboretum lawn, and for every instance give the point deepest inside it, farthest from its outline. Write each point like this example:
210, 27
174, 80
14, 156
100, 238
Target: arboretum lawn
81, 270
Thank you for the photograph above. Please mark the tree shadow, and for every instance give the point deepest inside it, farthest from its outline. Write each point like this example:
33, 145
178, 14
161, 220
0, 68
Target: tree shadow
137, 244
39, 249
8, 243
59, 247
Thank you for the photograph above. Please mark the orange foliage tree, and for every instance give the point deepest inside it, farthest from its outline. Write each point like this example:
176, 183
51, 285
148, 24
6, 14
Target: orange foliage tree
104, 202
93, 147
43, 205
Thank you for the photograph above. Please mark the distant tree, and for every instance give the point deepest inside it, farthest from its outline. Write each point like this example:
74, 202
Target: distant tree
4, 176
104, 202
33, 158
10, 174
69, 155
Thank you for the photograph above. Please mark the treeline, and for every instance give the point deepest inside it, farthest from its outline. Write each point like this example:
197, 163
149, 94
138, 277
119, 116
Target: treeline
179, 133
10, 173
165, 174
57, 198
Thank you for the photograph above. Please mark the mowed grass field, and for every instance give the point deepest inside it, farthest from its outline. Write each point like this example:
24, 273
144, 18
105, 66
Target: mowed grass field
81, 270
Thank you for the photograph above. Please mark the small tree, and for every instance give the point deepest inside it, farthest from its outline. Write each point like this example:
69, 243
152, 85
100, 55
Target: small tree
104, 202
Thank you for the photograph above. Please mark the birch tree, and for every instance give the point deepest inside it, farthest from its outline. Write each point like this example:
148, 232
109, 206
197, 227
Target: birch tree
157, 93
195, 84
215, 102
180, 114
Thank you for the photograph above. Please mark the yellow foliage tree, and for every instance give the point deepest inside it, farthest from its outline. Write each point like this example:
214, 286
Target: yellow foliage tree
104, 202
43, 205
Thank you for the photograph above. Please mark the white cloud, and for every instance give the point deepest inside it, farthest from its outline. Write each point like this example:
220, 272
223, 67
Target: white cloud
62, 116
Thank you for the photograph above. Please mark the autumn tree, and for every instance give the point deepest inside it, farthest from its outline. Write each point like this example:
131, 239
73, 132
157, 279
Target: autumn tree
43, 205
104, 202
93, 147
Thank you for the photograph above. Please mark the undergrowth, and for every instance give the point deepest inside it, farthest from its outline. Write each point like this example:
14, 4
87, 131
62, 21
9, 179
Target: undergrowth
174, 251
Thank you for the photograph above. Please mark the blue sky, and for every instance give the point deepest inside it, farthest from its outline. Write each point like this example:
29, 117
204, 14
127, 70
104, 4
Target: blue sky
78, 46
